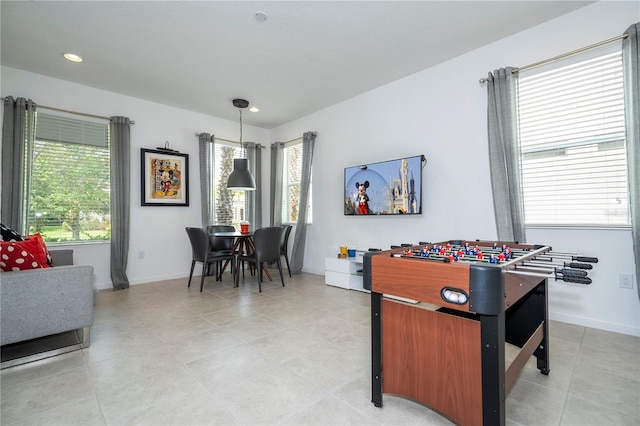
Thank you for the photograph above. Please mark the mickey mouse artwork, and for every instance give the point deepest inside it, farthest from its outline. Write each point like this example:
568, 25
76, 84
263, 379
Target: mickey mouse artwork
390, 187
164, 177
362, 199
167, 180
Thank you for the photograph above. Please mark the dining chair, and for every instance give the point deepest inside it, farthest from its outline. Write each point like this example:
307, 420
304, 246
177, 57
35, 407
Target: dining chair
201, 251
218, 243
267, 249
223, 244
284, 244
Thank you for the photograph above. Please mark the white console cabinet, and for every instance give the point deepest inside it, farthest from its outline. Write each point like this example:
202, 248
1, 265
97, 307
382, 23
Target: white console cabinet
345, 273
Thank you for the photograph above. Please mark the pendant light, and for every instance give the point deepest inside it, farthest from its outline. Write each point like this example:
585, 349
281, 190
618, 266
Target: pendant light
241, 178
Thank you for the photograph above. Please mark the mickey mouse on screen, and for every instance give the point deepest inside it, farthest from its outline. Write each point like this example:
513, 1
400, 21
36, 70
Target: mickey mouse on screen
362, 199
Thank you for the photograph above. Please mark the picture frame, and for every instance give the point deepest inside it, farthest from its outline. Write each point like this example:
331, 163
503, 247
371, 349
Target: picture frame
164, 178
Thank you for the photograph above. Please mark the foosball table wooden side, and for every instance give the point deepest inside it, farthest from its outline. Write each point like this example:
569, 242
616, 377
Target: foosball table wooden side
447, 356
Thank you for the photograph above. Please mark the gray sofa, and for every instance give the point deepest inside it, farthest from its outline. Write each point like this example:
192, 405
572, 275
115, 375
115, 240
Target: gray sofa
44, 302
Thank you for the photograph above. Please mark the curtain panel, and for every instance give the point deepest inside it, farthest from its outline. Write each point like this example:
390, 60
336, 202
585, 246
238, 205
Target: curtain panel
254, 198
18, 130
300, 236
120, 128
275, 202
205, 148
631, 75
504, 155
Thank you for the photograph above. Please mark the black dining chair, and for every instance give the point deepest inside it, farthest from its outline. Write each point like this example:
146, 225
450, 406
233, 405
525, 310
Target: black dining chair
221, 244
201, 251
267, 249
284, 244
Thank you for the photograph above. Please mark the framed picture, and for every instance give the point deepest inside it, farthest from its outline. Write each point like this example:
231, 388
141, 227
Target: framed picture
165, 178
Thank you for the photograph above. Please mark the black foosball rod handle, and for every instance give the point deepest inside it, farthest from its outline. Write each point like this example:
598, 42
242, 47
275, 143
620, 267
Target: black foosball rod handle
585, 259
577, 265
574, 279
571, 272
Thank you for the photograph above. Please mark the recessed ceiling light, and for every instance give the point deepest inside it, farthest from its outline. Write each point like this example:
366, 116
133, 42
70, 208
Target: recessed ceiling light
72, 57
254, 109
261, 16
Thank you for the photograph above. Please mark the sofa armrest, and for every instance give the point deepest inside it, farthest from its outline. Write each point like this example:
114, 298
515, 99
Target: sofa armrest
62, 257
41, 302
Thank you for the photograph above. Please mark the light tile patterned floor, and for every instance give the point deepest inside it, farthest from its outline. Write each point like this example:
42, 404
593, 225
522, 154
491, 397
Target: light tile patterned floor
162, 354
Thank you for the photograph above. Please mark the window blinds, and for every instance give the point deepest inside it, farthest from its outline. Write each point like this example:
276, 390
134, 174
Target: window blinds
292, 171
53, 128
573, 152
69, 179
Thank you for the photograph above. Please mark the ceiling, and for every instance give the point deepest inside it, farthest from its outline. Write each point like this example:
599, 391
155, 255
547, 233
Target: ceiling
307, 55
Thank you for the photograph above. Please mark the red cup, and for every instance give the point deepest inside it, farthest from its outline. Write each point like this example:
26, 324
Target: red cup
244, 229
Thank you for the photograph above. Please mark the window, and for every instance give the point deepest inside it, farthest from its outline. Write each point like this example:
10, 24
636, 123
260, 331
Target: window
229, 205
68, 189
291, 175
572, 136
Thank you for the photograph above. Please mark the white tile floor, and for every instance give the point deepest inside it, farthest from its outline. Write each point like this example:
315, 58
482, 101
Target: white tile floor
162, 354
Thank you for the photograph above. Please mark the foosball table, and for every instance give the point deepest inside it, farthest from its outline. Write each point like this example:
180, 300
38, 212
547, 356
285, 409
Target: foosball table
442, 315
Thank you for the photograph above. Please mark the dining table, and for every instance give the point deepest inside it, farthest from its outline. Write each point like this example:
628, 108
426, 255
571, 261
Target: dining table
242, 244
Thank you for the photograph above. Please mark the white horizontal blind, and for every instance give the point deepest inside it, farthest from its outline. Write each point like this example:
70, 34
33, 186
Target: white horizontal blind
62, 129
571, 125
68, 169
291, 174
230, 206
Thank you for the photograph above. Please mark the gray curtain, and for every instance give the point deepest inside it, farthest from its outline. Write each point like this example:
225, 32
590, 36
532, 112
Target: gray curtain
120, 200
18, 129
275, 203
504, 155
300, 236
254, 198
205, 144
631, 75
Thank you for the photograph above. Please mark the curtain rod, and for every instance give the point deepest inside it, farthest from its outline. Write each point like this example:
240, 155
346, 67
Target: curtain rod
221, 139
229, 140
292, 140
564, 55
298, 138
101, 117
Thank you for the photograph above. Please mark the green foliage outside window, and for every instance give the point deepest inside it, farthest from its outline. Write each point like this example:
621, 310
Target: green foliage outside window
69, 188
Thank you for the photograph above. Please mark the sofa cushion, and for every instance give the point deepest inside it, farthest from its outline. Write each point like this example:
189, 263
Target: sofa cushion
45, 256
7, 234
17, 255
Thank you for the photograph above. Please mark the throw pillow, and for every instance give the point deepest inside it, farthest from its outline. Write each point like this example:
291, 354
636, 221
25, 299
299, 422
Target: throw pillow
42, 253
47, 259
7, 234
13, 257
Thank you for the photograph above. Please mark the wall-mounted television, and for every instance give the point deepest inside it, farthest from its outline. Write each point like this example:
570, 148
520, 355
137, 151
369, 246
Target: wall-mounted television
392, 187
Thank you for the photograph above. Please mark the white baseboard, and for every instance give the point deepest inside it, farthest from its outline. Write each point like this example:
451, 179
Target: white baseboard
108, 286
600, 325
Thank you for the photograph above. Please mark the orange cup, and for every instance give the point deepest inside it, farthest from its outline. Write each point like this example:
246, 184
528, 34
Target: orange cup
244, 229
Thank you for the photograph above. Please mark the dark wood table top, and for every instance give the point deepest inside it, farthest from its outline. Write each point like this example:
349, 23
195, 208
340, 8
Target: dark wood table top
235, 234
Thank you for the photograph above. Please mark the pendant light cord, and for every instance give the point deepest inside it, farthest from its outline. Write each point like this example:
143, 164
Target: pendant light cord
240, 111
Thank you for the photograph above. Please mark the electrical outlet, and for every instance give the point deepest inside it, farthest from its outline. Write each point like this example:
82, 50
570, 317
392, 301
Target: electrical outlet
626, 280
140, 254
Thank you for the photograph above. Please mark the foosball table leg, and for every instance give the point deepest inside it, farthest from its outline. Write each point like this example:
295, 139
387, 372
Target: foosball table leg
542, 354
492, 337
376, 349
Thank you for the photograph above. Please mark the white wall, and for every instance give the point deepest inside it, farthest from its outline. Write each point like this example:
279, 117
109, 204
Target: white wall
441, 113
158, 231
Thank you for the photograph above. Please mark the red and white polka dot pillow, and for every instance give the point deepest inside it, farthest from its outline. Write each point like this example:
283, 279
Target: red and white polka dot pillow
15, 257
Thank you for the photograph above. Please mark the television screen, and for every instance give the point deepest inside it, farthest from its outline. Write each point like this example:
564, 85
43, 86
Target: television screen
386, 188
